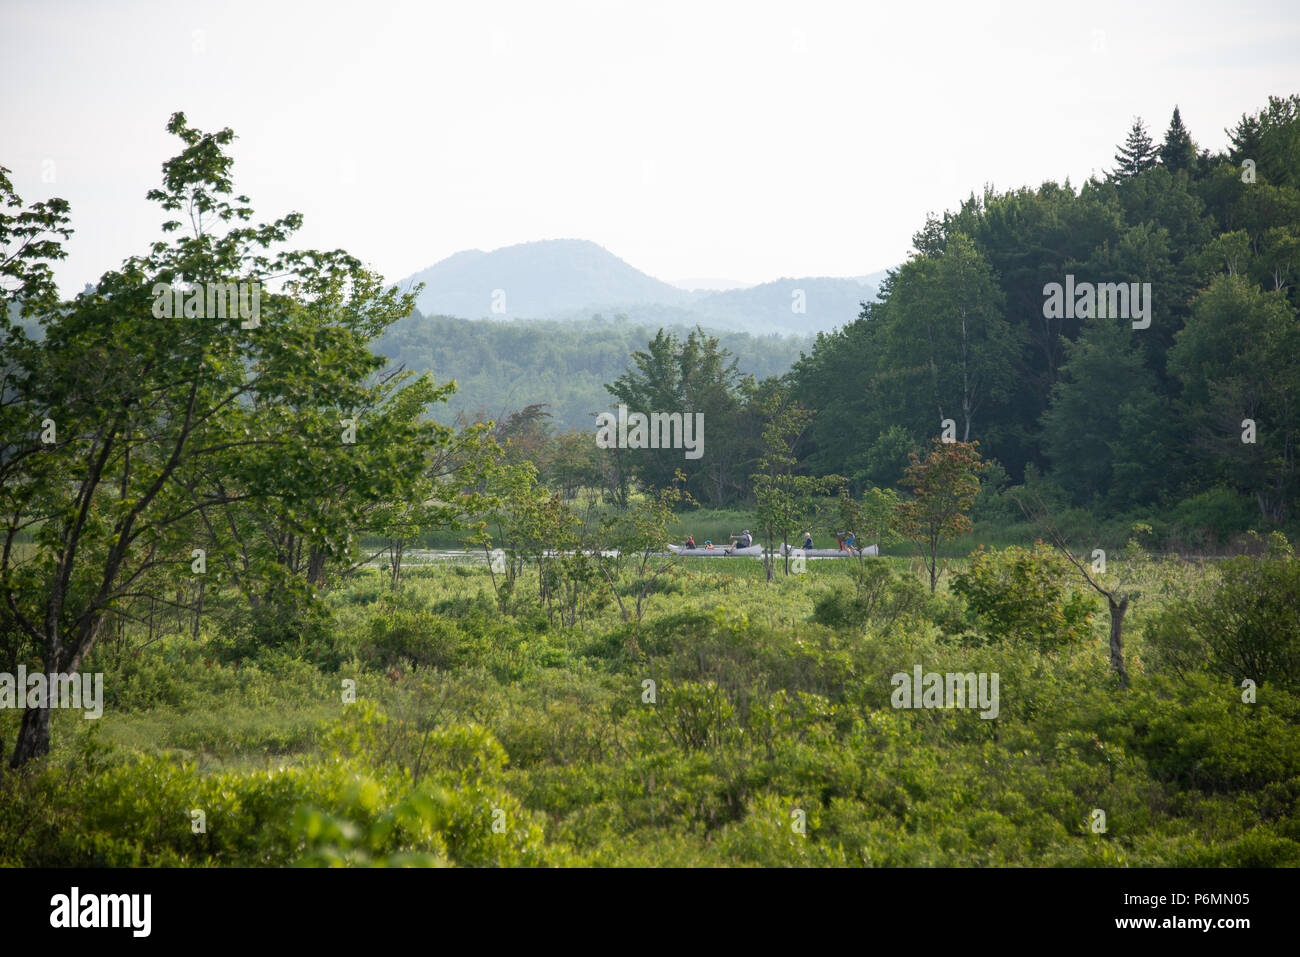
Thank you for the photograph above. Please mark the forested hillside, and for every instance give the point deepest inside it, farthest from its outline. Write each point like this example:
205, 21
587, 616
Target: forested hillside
1122, 411
1130, 346
499, 367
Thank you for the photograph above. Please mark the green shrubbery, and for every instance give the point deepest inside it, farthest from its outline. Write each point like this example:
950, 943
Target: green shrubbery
879, 597
1245, 624
414, 637
349, 806
1210, 519
768, 737
298, 625
1019, 594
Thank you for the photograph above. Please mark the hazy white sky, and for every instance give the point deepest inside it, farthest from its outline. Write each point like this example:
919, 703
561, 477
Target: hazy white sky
741, 140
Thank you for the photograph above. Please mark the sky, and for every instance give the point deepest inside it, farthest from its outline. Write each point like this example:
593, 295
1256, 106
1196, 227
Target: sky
744, 141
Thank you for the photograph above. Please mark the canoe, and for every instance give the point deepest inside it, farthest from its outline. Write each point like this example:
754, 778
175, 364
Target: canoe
872, 551
753, 551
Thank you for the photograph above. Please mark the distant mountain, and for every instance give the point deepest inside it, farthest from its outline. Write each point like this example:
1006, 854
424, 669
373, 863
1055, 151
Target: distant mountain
576, 279
804, 306
873, 278
553, 277
710, 285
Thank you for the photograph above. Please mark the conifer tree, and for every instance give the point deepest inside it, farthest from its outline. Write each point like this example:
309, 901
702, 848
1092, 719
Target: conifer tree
1178, 151
1137, 155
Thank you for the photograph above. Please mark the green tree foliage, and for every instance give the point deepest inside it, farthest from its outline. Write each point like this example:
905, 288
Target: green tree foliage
144, 436
692, 376
1122, 417
842, 378
1245, 624
879, 598
1021, 595
639, 534
1107, 428
947, 331
1177, 152
786, 501
499, 366
445, 497
872, 517
1272, 139
523, 523
1116, 588
1137, 155
1030, 238
30, 239
944, 485
1238, 359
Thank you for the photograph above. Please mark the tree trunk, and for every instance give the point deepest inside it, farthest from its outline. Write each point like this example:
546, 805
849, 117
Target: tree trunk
33, 736
316, 566
1117, 610
198, 611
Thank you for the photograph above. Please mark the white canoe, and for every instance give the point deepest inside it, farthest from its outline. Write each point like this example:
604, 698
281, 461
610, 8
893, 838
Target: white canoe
753, 551
872, 551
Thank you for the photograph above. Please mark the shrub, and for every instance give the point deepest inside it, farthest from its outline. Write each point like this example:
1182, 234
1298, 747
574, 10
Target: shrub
696, 716
418, 638
296, 623
1020, 594
477, 606
1212, 518
879, 596
1245, 626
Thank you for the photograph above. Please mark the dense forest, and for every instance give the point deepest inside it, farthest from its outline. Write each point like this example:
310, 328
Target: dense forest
214, 507
1184, 411
502, 366
1120, 413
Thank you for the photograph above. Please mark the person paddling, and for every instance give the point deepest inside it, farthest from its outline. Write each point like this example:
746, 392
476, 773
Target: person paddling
744, 540
807, 541
690, 542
